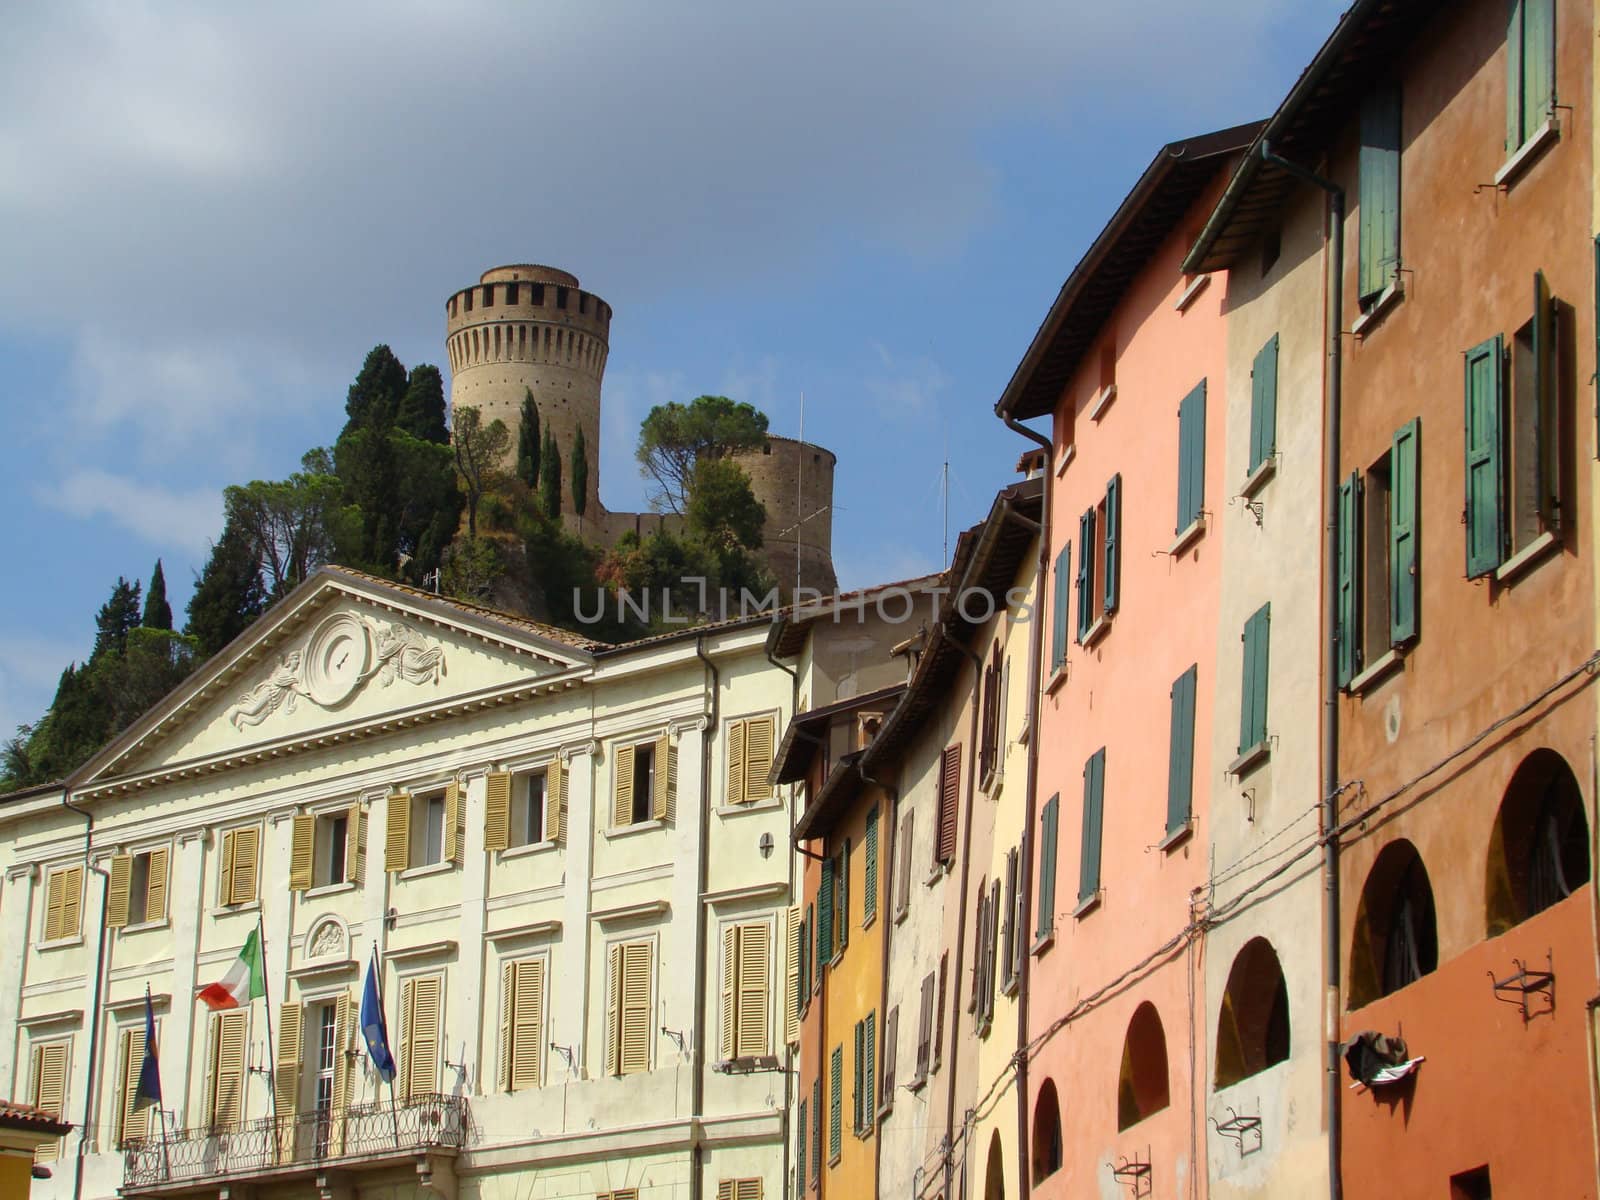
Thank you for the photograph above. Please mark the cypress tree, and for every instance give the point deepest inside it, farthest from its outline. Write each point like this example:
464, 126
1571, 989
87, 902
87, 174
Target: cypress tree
228, 593
117, 616
374, 398
421, 410
157, 612
580, 475
529, 447
550, 477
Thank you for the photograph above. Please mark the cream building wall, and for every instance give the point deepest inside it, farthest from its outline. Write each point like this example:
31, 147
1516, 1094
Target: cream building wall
496, 697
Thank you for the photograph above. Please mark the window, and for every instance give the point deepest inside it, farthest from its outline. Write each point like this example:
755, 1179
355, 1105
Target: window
618, 1194
323, 850
1142, 1082
1094, 787
522, 1024
225, 1069
421, 1008
746, 951
326, 1048
835, 1110
944, 849
840, 910
325, 1029
1264, 406
241, 861
993, 703
528, 808
864, 1096
902, 889
924, 1031
1011, 938
1472, 1185
1539, 850
1089, 551
63, 903
750, 749
1048, 821
430, 818
629, 1028
869, 870
1530, 69
1253, 1025
47, 1089
1378, 257
985, 941
467, 295
1180, 752
1191, 458
891, 1037
1378, 562
525, 809
1253, 691
424, 829
561, 297
1046, 1156
739, 1189
644, 783
513, 292
1395, 940
1058, 612
138, 888
132, 1123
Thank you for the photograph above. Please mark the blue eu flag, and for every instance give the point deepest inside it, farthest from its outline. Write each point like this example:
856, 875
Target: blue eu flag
148, 1093
373, 1028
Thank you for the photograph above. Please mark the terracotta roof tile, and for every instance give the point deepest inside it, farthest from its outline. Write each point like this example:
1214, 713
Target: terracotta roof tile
28, 1116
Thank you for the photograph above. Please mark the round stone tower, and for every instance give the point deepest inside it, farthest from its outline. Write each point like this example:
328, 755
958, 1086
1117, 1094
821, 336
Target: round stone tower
794, 480
532, 328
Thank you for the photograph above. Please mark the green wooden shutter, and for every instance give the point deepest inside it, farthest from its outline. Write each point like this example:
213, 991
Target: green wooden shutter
1253, 697
1058, 641
816, 1128
1047, 867
1347, 624
835, 1088
1379, 168
1405, 590
856, 1080
1085, 572
1094, 782
1546, 430
808, 936
1191, 457
1111, 569
1264, 404
1180, 756
800, 1148
841, 880
1530, 68
869, 1071
869, 902
825, 915
1485, 470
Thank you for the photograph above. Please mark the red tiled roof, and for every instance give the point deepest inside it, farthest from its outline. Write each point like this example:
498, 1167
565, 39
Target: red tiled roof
26, 1116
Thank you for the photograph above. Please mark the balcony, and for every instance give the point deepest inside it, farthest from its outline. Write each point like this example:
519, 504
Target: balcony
416, 1139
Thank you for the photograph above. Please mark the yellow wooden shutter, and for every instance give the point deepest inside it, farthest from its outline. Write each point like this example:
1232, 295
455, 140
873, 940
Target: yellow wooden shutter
555, 801
758, 758
725, 1190
497, 813
636, 1024
791, 980
246, 861
745, 1189
302, 851
664, 800
343, 1013
132, 1124
730, 992
622, 787
508, 1007
155, 902
50, 1090
735, 788
422, 1036
355, 844
72, 902
225, 875
755, 952
527, 1032
613, 1009
286, 1076
397, 832
55, 889
227, 1099
118, 889
454, 810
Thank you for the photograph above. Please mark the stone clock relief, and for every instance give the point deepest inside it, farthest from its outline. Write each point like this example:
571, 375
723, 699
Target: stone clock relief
339, 657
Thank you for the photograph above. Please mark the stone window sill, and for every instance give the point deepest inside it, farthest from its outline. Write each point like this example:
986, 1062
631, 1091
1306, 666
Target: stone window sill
1379, 670
1525, 558
61, 943
1378, 309
1177, 837
1196, 286
1101, 626
526, 849
426, 869
1544, 136
1190, 534
622, 831
1068, 453
225, 910
734, 810
330, 889
1057, 678
141, 926
1102, 401
1257, 479
1043, 942
1249, 759
1088, 904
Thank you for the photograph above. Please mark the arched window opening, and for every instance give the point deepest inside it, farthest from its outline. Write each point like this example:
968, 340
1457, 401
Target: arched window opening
1142, 1083
994, 1175
1539, 850
1253, 1026
1046, 1133
1396, 941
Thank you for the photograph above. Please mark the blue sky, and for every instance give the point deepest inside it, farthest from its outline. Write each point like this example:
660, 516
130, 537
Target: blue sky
211, 216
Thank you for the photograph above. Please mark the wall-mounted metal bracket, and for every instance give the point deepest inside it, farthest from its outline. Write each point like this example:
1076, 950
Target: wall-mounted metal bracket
1256, 508
1137, 1173
1514, 989
1241, 1130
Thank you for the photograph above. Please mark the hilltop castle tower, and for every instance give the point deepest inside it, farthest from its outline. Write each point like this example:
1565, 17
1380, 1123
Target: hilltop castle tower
533, 328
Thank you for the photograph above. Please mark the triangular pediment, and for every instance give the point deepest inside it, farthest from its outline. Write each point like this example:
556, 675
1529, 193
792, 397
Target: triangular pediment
344, 656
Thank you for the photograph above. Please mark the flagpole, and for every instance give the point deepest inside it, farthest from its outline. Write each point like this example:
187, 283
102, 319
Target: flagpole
272, 1083
394, 1107
161, 1120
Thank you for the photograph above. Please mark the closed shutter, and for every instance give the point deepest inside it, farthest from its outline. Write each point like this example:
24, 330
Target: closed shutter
71, 901
225, 871
622, 787
1008, 936
454, 814
344, 1015
869, 1074
355, 845
555, 800
747, 1189
925, 1027
858, 1082
50, 1091
825, 914
1111, 574
1047, 867
302, 851
497, 811
841, 900
891, 1036
835, 1111
755, 954
55, 890
636, 1024
949, 795
1347, 620
730, 992
791, 979
527, 1024
664, 790
1058, 610
1405, 587
508, 1007
614, 1009
760, 742
1253, 706
117, 890
1547, 432
286, 1076
802, 1142
938, 1011
1191, 457
1180, 753
1019, 921
1094, 782
869, 869
903, 882
246, 864
155, 897
1530, 73
1264, 404
422, 1036
725, 1190
1485, 469
397, 832
816, 1129
132, 1123
1379, 168
1085, 572
735, 783
227, 1069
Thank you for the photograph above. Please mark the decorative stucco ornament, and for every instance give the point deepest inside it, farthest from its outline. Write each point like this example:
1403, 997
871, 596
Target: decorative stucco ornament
326, 940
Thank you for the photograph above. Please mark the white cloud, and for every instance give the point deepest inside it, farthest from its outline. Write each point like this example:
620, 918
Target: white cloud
30, 666
905, 389
186, 521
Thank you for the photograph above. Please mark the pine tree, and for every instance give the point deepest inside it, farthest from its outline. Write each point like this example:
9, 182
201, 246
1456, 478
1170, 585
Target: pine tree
580, 475
116, 618
228, 594
421, 411
528, 445
550, 477
374, 398
157, 612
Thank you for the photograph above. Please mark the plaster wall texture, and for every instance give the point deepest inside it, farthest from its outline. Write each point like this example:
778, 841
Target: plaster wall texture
855, 657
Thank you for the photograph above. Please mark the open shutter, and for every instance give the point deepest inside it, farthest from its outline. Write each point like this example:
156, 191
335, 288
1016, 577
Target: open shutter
891, 1035
614, 1009
791, 977
1405, 588
1547, 433
1191, 457
730, 993
760, 735
825, 913
508, 1007
155, 896
664, 787
925, 1027
903, 883
1094, 780
343, 1016
949, 795
1180, 754
527, 1032
1514, 76
1253, 710
869, 869
355, 845
1379, 169
1347, 620
938, 1010
1485, 469
50, 1091
636, 1024
118, 889
397, 832
754, 1004
1047, 867
725, 1190
736, 773
835, 1098
841, 881
286, 1076
422, 1036
1264, 404
225, 871
227, 1108
858, 1080
1111, 571
454, 829
555, 801
989, 951
246, 864
1058, 610
134, 1123
1085, 572
622, 787
302, 849
497, 810
1247, 697
1019, 908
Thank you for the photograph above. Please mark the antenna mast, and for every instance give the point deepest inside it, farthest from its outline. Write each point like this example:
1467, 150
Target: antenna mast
799, 494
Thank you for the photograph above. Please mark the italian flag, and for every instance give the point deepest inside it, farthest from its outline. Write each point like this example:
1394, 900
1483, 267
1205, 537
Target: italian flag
244, 981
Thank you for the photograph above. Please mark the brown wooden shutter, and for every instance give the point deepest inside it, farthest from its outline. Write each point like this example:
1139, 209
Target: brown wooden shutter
497, 812
397, 831
755, 943
760, 733
555, 801
132, 1124
938, 1012
636, 1024
730, 993
664, 787
155, 897
422, 1036
622, 787
118, 890
614, 1009
891, 1036
246, 861
227, 1069
50, 1091
949, 793
454, 815
527, 1029
902, 886
925, 1028
791, 979
355, 844
736, 743
302, 852
286, 1075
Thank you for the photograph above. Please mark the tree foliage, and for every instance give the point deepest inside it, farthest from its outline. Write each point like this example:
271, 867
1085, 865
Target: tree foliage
529, 447
157, 612
117, 617
421, 413
550, 476
290, 524
580, 474
675, 437
228, 593
374, 397
479, 449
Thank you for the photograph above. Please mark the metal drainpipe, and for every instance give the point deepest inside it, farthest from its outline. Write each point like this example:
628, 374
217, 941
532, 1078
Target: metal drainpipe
1030, 803
789, 1064
697, 1086
1330, 678
893, 792
99, 983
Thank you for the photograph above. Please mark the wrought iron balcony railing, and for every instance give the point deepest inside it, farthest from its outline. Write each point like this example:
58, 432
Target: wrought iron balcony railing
278, 1145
